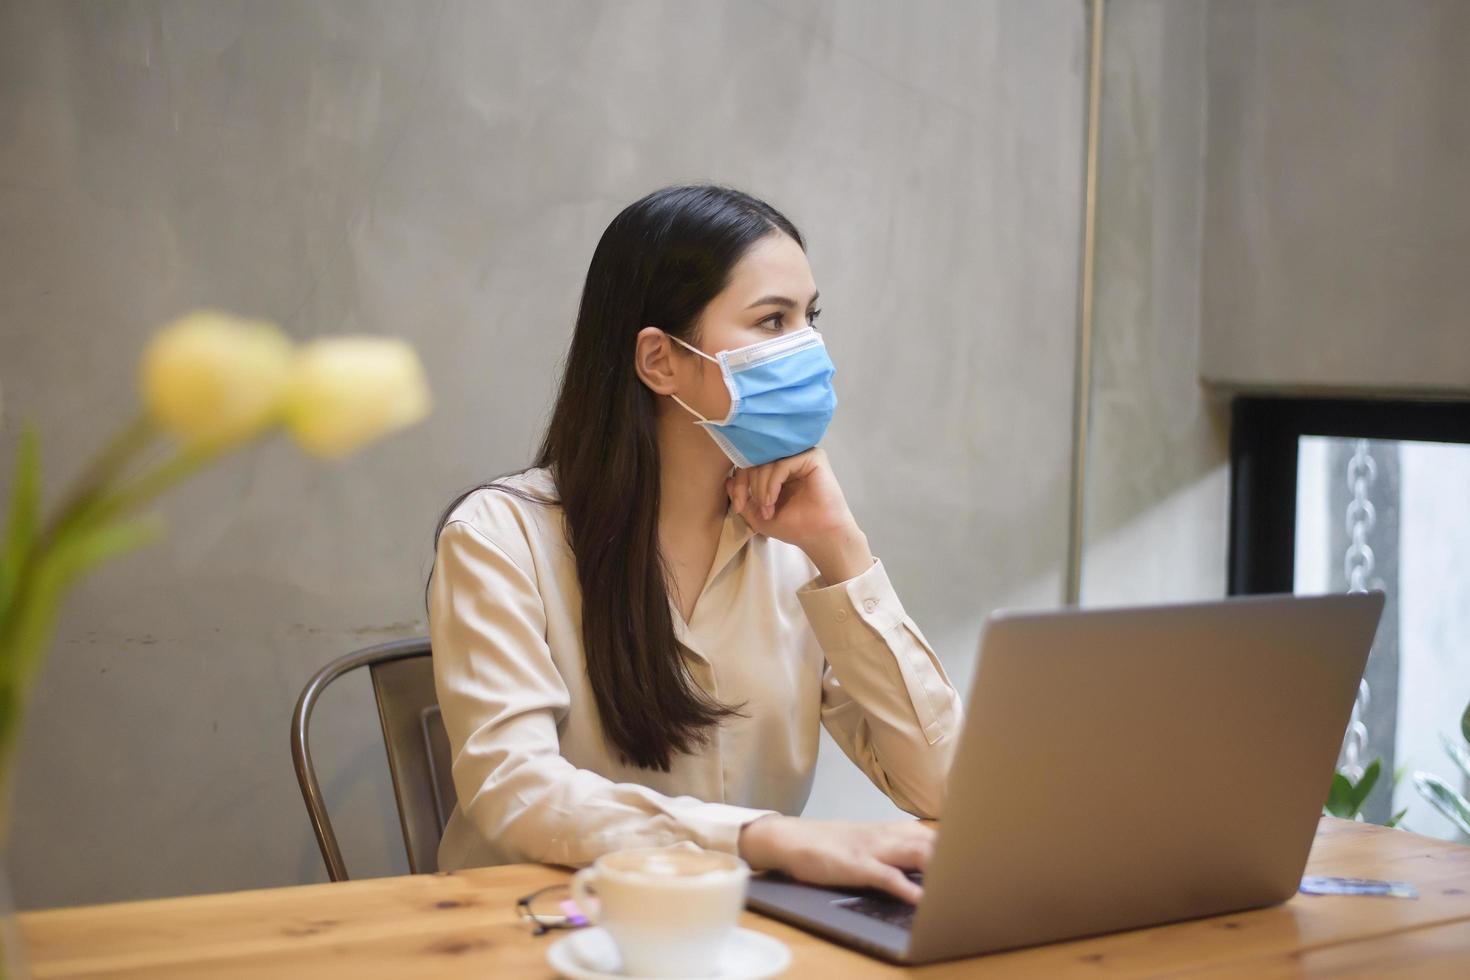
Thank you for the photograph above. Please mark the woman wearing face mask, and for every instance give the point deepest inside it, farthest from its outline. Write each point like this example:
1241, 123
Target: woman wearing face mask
636, 639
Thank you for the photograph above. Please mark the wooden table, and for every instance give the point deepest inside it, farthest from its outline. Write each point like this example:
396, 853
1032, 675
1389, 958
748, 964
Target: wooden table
464, 925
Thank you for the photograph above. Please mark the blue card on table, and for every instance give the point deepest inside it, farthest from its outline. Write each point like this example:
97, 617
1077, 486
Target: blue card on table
1327, 885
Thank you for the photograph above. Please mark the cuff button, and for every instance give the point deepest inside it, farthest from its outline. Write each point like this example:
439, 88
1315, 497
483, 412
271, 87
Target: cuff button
870, 604
840, 615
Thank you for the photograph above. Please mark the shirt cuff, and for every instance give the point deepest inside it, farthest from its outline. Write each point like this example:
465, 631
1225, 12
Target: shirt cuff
850, 613
716, 826
713, 826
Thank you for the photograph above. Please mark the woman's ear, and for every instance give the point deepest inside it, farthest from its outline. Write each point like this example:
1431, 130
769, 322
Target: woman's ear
653, 359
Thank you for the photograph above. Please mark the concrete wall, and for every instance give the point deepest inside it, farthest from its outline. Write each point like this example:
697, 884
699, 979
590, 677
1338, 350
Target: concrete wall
441, 171
1337, 209
1282, 206
1157, 481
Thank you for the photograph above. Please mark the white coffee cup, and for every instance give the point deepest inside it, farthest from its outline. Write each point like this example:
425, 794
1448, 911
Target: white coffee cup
668, 910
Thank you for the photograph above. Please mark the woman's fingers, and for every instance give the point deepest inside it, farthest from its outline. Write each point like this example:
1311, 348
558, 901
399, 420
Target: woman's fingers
742, 490
758, 478
913, 853
759, 487
876, 874
905, 844
780, 470
771, 477
841, 853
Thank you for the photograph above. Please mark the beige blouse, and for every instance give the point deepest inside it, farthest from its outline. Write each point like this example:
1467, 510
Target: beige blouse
535, 778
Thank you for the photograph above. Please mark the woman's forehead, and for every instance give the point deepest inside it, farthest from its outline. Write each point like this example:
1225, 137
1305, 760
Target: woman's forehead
775, 265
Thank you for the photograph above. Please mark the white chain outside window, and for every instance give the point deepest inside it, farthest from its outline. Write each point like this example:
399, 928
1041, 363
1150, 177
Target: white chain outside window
1357, 567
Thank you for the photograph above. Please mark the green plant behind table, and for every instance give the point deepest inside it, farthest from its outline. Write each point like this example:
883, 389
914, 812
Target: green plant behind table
1440, 794
1346, 796
210, 383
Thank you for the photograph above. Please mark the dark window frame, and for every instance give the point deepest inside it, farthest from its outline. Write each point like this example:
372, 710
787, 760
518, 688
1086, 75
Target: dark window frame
1264, 435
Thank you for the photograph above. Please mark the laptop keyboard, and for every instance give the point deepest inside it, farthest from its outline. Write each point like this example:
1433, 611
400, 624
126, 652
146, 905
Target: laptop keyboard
890, 910
878, 905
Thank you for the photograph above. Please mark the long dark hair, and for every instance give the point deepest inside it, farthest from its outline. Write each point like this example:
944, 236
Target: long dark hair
658, 264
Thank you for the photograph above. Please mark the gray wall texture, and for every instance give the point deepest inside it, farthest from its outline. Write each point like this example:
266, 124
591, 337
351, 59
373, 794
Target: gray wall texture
441, 171
1337, 209
1282, 202
1157, 480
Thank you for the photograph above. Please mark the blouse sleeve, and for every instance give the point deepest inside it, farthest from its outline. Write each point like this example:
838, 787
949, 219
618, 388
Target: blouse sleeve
501, 697
886, 699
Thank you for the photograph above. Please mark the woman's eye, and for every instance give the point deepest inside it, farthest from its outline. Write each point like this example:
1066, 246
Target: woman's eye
776, 320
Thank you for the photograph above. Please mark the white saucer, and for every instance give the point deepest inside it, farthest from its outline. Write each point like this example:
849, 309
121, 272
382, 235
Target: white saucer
589, 954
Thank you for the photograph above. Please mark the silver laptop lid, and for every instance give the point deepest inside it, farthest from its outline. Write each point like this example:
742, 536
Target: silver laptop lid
1125, 767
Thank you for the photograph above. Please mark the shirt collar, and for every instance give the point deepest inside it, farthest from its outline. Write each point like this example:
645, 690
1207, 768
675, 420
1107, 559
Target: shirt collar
734, 533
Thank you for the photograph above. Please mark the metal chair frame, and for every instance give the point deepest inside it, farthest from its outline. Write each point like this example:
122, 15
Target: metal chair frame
406, 717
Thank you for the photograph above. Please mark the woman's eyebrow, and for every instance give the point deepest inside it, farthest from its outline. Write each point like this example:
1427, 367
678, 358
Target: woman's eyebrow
781, 301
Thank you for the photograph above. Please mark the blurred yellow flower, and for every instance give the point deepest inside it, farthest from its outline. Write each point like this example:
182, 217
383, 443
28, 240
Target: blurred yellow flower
347, 391
211, 379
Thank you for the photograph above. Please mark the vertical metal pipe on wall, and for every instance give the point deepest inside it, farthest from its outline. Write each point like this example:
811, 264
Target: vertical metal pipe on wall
1082, 387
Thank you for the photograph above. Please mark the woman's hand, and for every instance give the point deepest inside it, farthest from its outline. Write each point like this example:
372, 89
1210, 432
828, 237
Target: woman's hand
797, 500
840, 852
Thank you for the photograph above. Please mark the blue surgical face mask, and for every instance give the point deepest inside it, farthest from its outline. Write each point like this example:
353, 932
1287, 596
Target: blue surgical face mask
781, 397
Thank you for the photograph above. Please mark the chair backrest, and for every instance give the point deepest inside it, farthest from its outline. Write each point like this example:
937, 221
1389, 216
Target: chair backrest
413, 734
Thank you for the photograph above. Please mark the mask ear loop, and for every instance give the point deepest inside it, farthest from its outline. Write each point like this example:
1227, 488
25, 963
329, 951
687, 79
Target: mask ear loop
688, 409
676, 397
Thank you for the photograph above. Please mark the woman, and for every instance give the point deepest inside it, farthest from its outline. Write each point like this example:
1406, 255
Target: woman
635, 640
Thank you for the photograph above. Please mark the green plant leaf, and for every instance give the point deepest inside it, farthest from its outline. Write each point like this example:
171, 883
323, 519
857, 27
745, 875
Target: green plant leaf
89, 547
1465, 723
1340, 797
1345, 798
25, 506
1393, 821
27, 633
1444, 799
1365, 784
1457, 751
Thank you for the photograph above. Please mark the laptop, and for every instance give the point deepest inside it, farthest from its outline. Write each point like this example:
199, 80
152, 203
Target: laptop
1121, 768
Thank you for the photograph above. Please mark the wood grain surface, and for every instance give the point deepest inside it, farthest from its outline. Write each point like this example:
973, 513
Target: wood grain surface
464, 924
